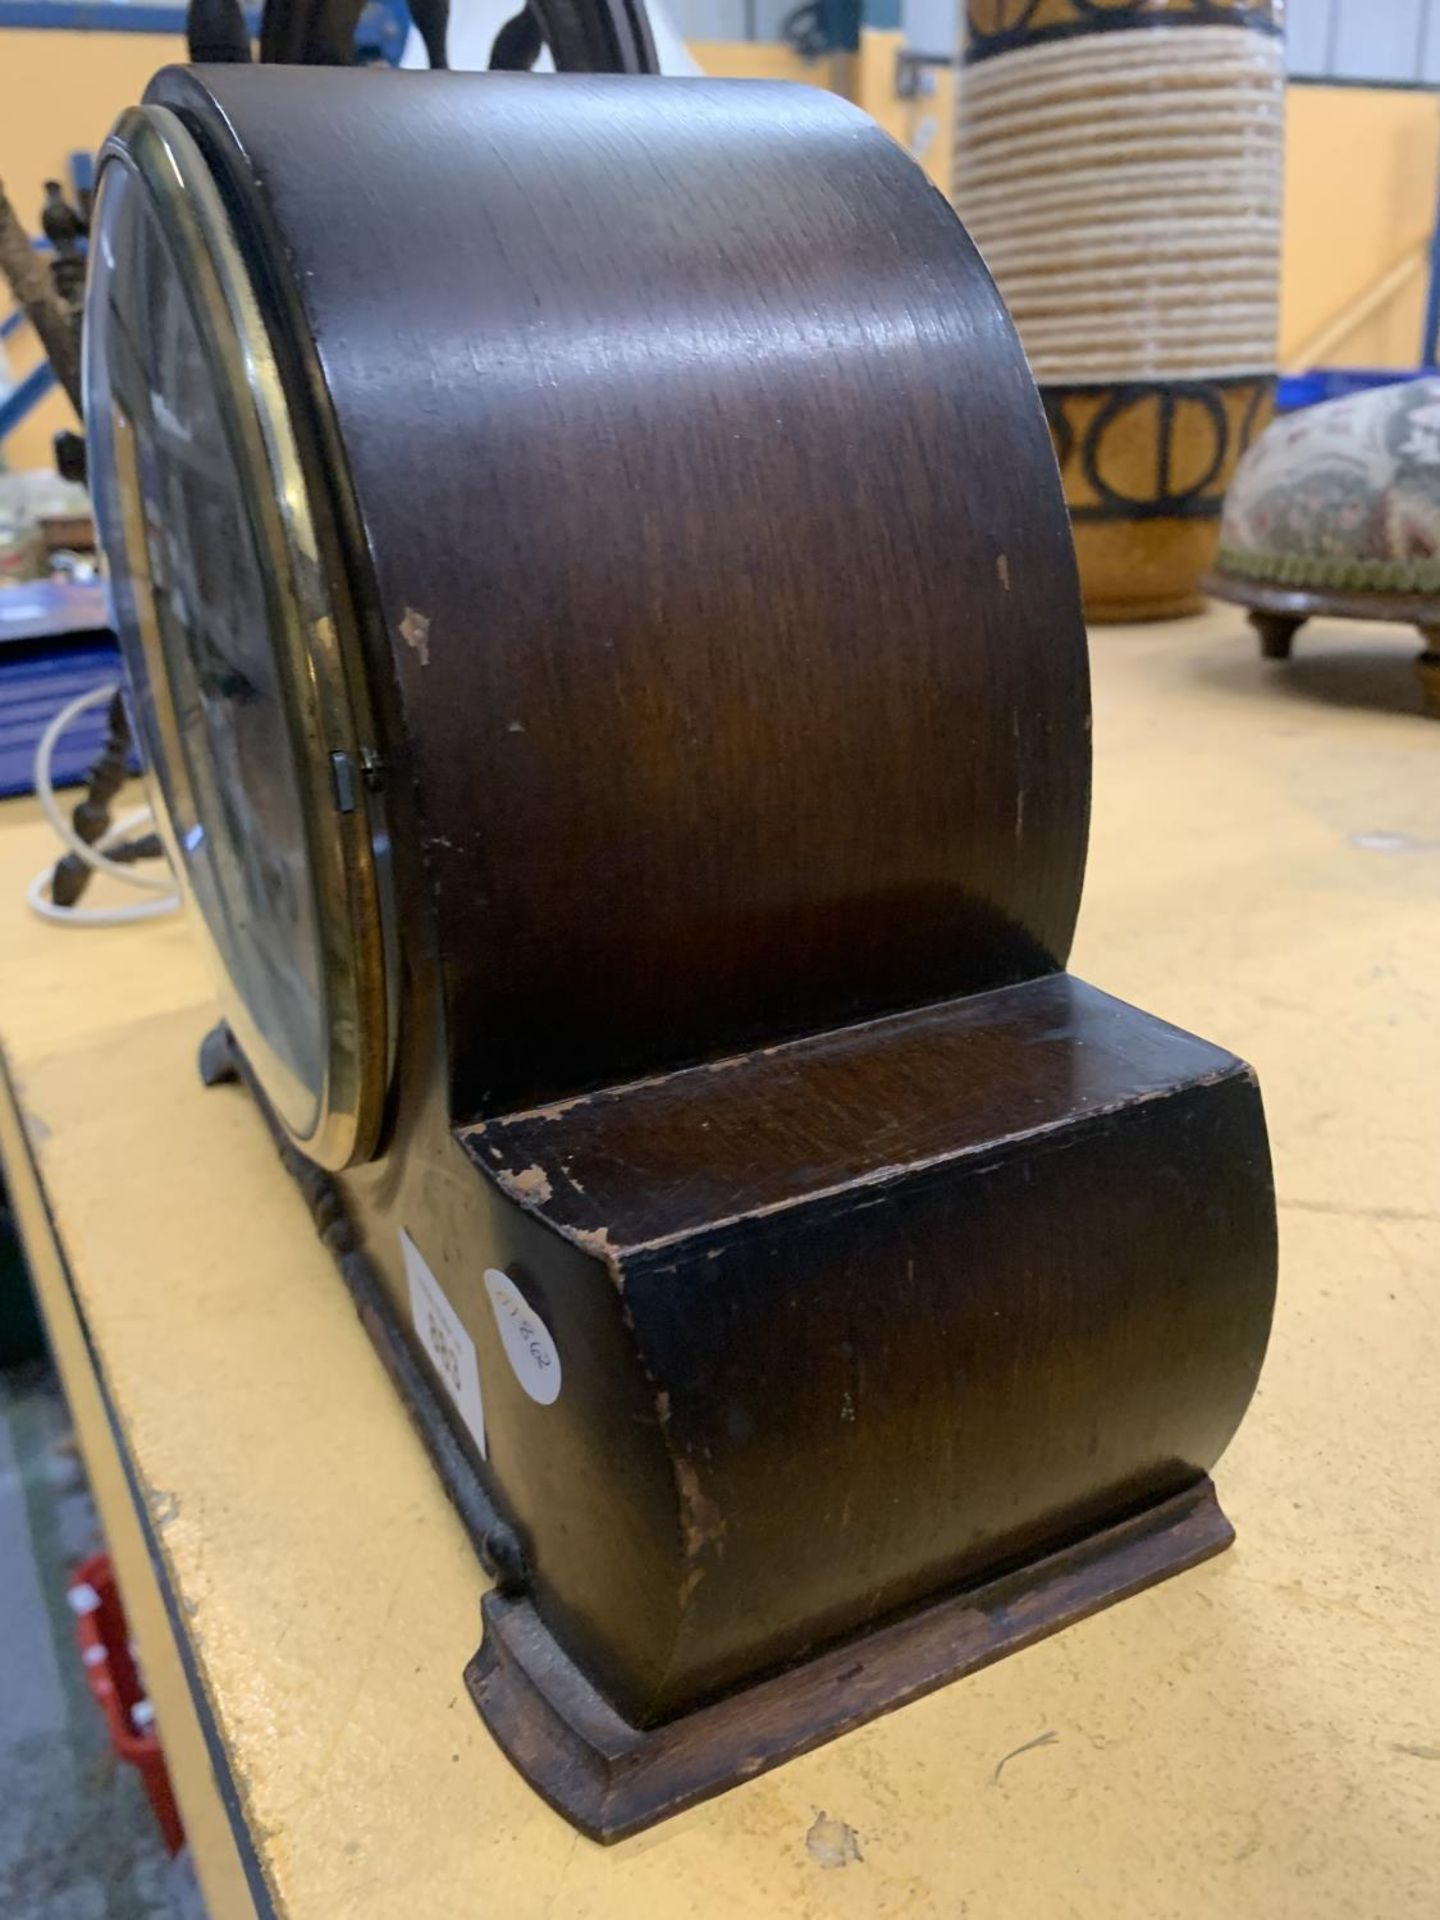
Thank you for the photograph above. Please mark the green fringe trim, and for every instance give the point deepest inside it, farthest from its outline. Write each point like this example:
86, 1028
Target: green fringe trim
1342, 574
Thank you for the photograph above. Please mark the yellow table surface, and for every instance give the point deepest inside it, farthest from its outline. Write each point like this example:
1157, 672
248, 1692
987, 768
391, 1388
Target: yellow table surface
1258, 1737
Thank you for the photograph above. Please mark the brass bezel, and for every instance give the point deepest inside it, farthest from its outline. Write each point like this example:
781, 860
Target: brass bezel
314, 634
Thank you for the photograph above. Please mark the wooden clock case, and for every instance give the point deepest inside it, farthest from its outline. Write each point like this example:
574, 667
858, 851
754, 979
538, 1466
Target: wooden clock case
709, 756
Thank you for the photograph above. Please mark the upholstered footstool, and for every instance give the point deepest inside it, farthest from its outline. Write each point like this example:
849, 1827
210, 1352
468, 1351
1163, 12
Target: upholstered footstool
1336, 510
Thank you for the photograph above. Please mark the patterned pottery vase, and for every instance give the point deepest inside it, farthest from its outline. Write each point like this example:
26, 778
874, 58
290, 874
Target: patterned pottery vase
1118, 163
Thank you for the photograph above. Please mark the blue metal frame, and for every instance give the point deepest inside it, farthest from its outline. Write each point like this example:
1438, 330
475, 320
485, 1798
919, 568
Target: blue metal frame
1430, 334
380, 32
24, 395
99, 16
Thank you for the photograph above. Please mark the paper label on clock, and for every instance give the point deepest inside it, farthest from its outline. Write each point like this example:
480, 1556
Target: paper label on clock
438, 1327
528, 1345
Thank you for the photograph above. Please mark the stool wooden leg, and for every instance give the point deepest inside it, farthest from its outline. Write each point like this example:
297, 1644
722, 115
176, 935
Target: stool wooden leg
1427, 665
1276, 631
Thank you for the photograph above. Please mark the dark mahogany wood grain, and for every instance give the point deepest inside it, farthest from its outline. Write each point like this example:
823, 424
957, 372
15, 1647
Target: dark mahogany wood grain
612, 1780
723, 639
716, 529
917, 1298
799, 1122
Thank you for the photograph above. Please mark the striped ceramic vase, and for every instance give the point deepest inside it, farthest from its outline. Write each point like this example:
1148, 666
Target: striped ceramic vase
1118, 163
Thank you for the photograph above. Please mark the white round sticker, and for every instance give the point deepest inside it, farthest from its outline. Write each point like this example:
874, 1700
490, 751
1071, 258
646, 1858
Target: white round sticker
525, 1338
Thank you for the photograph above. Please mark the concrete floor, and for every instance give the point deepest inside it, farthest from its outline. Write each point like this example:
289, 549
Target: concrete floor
77, 1838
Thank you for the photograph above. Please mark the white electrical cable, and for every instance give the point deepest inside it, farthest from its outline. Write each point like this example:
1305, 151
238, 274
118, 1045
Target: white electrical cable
45, 794
38, 894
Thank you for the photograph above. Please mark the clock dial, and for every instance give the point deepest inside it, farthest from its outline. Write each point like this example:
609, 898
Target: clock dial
200, 497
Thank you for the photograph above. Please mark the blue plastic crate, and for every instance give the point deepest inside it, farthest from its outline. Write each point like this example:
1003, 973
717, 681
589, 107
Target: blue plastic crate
54, 645
1295, 390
